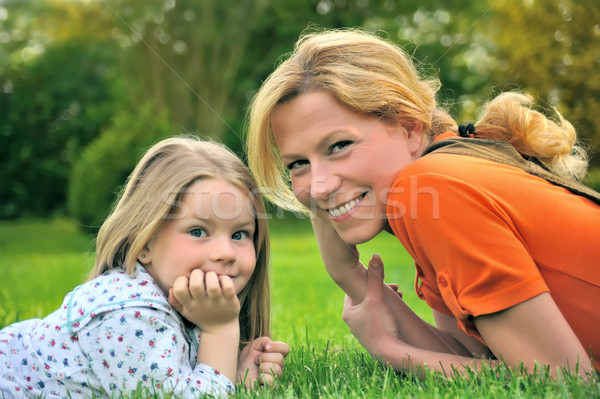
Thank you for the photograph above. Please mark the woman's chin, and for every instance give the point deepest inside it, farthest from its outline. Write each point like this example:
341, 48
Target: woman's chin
360, 232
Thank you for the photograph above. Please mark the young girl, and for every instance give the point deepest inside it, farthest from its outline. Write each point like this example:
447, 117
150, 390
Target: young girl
505, 241
180, 283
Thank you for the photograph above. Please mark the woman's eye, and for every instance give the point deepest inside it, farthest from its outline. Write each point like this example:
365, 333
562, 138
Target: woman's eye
240, 235
296, 164
339, 146
198, 232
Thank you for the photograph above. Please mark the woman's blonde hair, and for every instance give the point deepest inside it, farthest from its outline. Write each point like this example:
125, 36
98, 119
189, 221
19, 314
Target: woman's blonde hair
152, 193
373, 76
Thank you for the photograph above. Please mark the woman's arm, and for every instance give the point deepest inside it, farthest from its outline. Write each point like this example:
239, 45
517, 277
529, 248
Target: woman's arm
448, 324
343, 265
383, 312
341, 260
534, 331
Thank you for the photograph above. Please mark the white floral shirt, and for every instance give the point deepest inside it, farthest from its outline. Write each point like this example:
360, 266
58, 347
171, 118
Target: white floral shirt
113, 334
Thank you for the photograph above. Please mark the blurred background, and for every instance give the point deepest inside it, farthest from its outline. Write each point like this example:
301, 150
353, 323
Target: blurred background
87, 85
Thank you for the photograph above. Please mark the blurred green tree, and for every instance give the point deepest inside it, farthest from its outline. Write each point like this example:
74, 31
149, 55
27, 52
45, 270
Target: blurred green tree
551, 49
55, 96
72, 70
104, 165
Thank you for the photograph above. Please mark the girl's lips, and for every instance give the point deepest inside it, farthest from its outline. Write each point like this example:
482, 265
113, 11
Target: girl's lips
347, 207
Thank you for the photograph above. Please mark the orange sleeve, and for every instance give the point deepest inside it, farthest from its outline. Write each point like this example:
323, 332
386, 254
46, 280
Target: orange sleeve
470, 256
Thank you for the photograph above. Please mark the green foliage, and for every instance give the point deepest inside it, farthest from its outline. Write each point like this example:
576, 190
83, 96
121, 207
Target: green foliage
65, 65
552, 50
592, 179
105, 164
49, 110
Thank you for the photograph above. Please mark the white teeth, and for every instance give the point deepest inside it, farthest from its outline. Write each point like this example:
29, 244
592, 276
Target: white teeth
343, 209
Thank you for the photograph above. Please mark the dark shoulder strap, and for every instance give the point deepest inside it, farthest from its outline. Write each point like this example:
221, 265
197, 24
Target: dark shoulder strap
504, 153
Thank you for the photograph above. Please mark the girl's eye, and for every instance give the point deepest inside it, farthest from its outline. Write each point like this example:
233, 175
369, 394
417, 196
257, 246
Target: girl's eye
339, 146
198, 232
296, 164
240, 235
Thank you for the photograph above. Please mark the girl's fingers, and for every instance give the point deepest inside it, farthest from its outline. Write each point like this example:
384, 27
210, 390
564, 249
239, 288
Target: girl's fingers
213, 287
181, 291
279, 347
272, 358
271, 370
227, 286
196, 284
174, 302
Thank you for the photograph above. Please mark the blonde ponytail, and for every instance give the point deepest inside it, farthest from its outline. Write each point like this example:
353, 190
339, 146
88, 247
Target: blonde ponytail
509, 118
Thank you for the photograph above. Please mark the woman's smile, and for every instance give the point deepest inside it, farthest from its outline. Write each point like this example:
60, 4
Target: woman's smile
345, 208
340, 161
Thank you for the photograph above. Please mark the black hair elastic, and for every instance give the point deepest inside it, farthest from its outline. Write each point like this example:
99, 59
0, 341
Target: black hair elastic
466, 130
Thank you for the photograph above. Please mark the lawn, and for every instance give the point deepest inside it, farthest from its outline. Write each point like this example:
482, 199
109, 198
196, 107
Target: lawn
42, 260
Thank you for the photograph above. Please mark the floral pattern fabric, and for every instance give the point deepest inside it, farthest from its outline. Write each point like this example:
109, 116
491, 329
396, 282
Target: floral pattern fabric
113, 334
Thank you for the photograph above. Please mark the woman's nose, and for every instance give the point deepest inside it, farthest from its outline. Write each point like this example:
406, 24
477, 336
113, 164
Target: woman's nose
323, 185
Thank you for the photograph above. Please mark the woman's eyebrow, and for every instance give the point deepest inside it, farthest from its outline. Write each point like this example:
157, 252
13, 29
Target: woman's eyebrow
321, 142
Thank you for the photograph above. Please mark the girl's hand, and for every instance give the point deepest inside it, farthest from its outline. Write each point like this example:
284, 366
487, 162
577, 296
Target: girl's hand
205, 299
262, 361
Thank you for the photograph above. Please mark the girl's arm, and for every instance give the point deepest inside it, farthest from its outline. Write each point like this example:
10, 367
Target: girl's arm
142, 345
211, 303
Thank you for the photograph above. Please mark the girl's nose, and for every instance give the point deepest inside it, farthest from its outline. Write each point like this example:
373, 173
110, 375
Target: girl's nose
222, 250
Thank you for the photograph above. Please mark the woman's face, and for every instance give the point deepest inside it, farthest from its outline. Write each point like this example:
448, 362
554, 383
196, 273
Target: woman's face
342, 164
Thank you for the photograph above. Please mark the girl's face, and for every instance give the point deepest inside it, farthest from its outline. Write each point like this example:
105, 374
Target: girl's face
342, 164
212, 231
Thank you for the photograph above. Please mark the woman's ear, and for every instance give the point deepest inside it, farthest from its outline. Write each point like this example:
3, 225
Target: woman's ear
414, 137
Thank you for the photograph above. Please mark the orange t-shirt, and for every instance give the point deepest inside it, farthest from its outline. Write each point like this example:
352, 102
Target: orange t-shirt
487, 236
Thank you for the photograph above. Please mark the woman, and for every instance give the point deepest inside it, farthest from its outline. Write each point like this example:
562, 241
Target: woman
507, 260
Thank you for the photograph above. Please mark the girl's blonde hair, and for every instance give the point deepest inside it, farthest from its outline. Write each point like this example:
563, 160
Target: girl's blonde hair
372, 76
152, 193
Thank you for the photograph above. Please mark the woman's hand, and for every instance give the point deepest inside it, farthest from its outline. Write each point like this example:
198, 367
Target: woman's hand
262, 361
371, 321
205, 299
341, 260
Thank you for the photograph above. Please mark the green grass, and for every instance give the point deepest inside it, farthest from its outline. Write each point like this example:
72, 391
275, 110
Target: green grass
40, 261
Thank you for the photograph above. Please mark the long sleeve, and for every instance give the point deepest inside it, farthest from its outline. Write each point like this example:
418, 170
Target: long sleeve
142, 346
